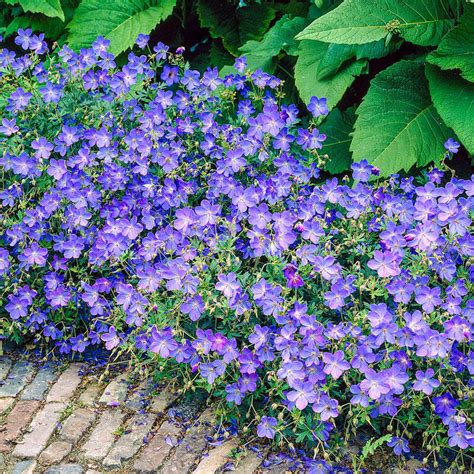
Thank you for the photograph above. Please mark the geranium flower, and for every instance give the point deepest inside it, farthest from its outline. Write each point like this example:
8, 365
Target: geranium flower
266, 427
425, 381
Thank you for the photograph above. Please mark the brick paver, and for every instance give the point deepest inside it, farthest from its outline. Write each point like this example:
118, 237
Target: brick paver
55, 452
116, 392
42, 427
127, 445
17, 420
5, 364
66, 385
158, 448
40, 384
249, 464
64, 423
162, 401
137, 398
216, 457
103, 436
191, 447
65, 469
90, 395
19, 375
74, 427
5, 404
24, 467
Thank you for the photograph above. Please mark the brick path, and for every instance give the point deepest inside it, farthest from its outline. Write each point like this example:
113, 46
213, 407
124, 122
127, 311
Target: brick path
55, 420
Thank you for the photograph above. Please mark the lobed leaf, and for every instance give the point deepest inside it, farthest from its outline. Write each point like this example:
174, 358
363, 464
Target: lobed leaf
397, 125
120, 21
422, 22
51, 8
279, 37
456, 50
306, 74
453, 98
338, 54
337, 127
235, 27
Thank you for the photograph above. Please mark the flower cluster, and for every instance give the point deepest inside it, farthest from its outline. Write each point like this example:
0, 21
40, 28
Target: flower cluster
153, 209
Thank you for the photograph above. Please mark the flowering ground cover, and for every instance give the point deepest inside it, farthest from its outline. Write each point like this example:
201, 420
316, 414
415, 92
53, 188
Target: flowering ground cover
181, 219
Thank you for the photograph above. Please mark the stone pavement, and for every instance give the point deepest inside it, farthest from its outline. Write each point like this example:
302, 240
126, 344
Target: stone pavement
60, 419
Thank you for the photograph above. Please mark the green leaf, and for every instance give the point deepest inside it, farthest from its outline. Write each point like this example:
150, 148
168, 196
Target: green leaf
51, 8
51, 27
120, 21
422, 22
453, 98
254, 62
456, 50
306, 74
337, 128
279, 37
338, 54
397, 126
373, 444
235, 26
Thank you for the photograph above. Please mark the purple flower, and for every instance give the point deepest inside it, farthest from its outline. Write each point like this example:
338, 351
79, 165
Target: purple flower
460, 437
212, 370
193, 306
162, 342
445, 404
266, 427
34, 255
240, 64
362, 171
425, 382
43, 148
335, 365
142, 40
428, 298
318, 107
19, 99
451, 145
399, 445
161, 50
9, 127
233, 393
385, 263
110, 338
293, 280
302, 394
228, 284
374, 384
326, 407
4, 261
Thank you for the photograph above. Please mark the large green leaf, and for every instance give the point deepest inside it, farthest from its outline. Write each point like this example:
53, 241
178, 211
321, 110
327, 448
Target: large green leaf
456, 50
453, 98
235, 26
337, 128
120, 21
306, 74
338, 54
254, 62
397, 126
279, 37
422, 22
50, 8
51, 27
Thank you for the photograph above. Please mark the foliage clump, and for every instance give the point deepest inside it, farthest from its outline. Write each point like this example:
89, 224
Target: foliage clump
157, 211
